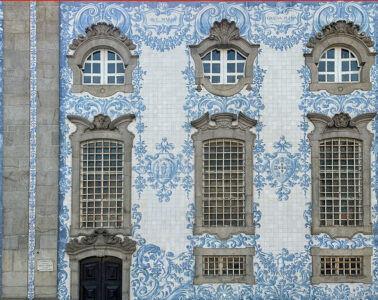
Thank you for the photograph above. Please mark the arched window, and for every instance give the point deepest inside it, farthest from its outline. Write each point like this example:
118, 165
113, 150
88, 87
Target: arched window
101, 61
223, 66
224, 60
104, 67
338, 65
341, 59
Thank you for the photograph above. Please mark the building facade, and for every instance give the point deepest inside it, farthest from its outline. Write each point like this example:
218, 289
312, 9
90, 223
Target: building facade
188, 150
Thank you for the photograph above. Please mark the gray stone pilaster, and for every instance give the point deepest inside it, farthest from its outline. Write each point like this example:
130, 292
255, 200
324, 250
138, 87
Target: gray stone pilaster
16, 149
47, 146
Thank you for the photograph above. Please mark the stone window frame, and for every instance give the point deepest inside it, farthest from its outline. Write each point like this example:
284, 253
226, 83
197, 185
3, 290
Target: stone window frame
341, 126
341, 34
224, 35
199, 278
365, 278
101, 36
100, 244
232, 126
101, 128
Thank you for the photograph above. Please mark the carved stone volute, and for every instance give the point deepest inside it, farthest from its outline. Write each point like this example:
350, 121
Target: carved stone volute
340, 27
101, 29
98, 239
224, 31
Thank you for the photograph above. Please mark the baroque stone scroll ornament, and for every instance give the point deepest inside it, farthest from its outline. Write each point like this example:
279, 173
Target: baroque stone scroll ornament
101, 237
102, 29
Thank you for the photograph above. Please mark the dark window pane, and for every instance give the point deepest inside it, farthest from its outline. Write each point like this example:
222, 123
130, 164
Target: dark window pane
215, 79
321, 67
231, 67
96, 68
87, 79
330, 66
87, 68
96, 79
354, 77
206, 68
344, 53
354, 66
111, 68
324, 55
96, 55
120, 79
240, 57
216, 55
331, 53
321, 78
330, 78
231, 54
345, 77
345, 66
111, 79
206, 57
120, 68
240, 67
111, 55
231, 79
216, 68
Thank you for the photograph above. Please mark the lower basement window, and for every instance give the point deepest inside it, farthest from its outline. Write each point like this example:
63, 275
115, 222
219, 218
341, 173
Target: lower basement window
224, 265
341, 265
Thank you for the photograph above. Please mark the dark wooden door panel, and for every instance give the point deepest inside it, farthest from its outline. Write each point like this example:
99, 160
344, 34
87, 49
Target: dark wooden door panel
101, 278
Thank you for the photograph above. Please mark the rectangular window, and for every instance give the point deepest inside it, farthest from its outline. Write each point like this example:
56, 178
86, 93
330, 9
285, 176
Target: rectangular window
223, 183
340, 182
101, 184
223, 265
340, 265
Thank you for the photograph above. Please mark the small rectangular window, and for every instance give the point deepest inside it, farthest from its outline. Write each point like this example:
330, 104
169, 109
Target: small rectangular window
223, 265
341, 265
220, 265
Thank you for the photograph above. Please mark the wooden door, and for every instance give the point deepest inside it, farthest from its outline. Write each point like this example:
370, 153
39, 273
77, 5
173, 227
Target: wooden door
101, 278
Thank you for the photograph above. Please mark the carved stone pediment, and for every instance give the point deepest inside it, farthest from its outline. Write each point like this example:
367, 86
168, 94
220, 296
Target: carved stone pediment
100, 238
224, 120
340, 27
101, 122
224, 32
102, 29
341, 120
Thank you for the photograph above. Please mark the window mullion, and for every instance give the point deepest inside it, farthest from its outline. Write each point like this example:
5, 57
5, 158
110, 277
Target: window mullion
222, 66
103, 66
337, 64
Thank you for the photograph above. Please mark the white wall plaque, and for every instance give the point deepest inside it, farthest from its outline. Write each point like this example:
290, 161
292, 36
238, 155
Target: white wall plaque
45, 265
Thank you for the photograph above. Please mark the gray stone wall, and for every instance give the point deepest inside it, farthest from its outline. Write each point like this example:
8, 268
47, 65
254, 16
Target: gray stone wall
16, 149
47, 145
